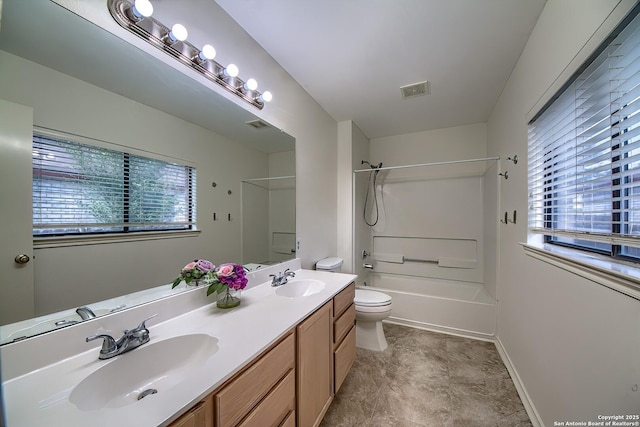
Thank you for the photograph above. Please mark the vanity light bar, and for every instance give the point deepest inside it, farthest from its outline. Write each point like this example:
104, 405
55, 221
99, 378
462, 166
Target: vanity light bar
128, 16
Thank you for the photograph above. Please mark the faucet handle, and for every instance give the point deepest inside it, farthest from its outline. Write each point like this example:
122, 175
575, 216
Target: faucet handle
142, 324
108, 345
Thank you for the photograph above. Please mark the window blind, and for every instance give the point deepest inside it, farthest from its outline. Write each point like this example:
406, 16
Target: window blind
584, 152
81, 189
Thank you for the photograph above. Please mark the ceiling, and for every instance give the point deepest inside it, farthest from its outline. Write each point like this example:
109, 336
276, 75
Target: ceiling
353, 56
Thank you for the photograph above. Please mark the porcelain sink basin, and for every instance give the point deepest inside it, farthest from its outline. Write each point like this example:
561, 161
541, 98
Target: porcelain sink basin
300, 288
154, 366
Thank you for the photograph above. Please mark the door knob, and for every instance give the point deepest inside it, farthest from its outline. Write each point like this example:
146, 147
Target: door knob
22, 259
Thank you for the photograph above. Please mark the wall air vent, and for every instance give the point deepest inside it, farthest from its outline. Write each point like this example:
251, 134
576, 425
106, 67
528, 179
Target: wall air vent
416, 89
258, 124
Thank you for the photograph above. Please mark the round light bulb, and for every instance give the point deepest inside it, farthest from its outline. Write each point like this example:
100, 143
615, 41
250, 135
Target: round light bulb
231, 70
207, 52
266, 96
178, 33
142, 9
251, 84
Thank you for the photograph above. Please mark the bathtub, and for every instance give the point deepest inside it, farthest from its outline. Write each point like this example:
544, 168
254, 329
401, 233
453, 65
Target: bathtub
459, 308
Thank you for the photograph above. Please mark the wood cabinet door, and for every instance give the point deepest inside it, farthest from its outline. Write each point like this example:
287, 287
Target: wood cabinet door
200, 415
315, 366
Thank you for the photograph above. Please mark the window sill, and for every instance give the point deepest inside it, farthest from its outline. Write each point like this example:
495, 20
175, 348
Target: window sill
617, 275
55, 242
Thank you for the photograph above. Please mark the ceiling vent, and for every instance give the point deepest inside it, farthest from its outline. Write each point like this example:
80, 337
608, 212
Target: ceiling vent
415, 89
258, 124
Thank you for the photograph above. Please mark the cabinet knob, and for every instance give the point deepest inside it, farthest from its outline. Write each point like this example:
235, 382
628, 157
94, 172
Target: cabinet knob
22, 259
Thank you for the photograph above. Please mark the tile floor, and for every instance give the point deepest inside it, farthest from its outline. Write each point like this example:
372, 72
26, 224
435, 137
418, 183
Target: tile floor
427, 379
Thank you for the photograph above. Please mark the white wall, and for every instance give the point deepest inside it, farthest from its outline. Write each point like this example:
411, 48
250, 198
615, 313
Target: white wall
439, 145
575, 345
353, 147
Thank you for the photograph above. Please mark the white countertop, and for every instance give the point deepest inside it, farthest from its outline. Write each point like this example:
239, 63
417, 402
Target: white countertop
41, 397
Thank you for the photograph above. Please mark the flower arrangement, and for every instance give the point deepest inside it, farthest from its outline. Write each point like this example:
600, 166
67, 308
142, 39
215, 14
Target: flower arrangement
226, 280
228, 276
195, 270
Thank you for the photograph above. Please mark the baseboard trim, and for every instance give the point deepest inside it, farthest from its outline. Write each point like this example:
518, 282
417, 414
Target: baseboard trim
441, 329
522, 391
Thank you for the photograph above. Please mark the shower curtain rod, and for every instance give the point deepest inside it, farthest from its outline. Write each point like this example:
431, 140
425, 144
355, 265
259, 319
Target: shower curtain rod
427, 164
249, 180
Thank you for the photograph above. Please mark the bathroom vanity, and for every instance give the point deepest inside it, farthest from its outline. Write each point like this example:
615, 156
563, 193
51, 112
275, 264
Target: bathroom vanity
276, 360
316, 355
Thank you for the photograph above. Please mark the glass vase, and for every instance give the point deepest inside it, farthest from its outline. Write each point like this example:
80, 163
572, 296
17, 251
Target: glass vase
228, 298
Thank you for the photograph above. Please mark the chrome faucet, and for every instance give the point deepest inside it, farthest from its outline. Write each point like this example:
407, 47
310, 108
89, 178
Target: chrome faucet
130, 339
85, 313
282, 277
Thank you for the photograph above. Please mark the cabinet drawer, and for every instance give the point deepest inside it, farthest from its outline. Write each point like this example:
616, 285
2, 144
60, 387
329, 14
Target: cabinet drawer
344, 357
343, 300
275, 407
235, 400
343, 324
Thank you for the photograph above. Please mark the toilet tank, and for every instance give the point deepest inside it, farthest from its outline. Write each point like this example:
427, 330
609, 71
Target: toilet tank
329, 264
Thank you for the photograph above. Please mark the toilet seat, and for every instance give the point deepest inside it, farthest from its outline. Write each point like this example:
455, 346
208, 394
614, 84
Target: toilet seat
367, 298
373, 309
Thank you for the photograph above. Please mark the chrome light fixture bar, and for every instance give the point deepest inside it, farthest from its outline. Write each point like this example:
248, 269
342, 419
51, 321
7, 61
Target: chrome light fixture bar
136, 18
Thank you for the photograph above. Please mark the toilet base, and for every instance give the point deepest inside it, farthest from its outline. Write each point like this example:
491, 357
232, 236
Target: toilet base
370, 335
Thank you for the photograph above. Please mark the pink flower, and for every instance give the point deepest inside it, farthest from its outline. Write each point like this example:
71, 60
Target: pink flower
225, 270
189, 266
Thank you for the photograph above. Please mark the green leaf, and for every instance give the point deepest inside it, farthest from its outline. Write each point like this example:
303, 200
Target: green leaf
216, 287
176, 282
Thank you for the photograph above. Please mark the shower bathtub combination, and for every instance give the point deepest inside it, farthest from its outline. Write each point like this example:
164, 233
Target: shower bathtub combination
425, 235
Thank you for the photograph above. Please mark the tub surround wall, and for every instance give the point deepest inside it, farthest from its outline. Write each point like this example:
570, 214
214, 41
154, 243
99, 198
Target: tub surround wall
572, 345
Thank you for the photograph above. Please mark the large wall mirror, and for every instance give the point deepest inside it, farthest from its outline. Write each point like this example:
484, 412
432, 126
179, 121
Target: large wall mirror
63, 73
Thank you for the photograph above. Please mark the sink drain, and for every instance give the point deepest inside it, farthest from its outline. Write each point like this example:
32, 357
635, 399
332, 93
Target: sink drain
147, 393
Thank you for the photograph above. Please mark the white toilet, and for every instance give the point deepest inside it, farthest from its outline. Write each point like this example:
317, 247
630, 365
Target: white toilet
372, 307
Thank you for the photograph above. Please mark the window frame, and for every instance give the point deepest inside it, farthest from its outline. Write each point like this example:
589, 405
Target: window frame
126, 233
572, 238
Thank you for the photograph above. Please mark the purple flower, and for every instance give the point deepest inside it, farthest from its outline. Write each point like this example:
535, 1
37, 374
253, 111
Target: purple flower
232, 275
204, 265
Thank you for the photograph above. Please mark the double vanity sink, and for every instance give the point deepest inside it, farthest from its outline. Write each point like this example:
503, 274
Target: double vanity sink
188, 356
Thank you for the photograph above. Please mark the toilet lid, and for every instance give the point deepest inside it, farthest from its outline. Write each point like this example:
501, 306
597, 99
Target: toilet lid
365, 297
